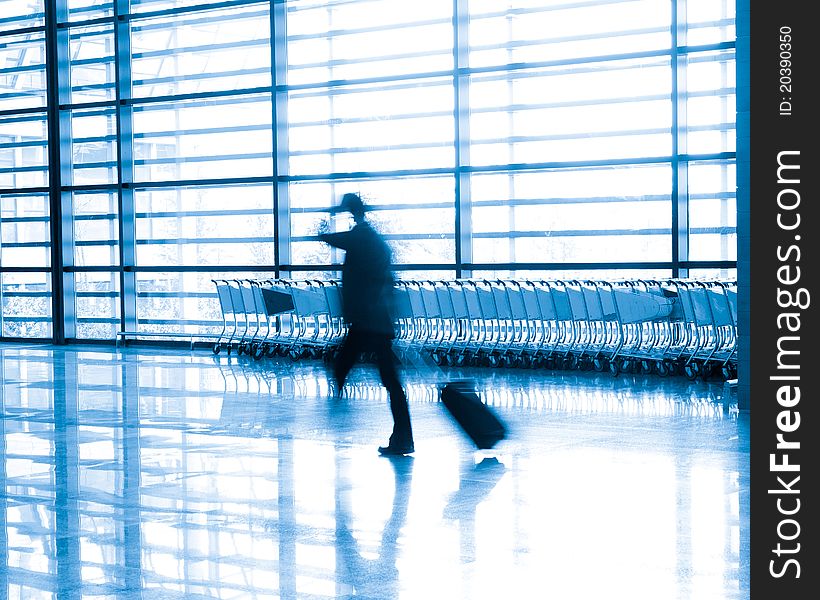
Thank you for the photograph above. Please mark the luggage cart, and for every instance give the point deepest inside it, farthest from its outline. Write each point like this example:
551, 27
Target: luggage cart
278, 303
715, 331
636, 326
522, 336
230, 321
635, 310
449, 324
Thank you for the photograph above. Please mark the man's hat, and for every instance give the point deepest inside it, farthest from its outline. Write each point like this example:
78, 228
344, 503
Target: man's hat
351, 203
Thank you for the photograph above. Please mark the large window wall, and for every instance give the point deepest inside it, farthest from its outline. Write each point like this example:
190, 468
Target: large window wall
150, 146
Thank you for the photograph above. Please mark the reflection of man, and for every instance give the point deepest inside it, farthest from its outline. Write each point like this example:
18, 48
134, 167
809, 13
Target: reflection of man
367, 304
377, 579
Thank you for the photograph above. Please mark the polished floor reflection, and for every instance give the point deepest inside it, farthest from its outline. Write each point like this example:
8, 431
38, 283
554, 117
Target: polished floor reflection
158, 473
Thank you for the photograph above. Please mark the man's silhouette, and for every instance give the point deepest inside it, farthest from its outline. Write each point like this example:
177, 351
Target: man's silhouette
367, 304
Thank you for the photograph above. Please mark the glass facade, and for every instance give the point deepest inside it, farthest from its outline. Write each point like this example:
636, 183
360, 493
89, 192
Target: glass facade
150, 146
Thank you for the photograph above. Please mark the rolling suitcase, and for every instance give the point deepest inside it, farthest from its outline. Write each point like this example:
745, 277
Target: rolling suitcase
475, 418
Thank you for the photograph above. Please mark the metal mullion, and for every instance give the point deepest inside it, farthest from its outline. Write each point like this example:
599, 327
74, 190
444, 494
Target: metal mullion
25, 269
349, 83
206, 96
328, 88
88, 107
14, 112
125, 174
22, 31
24, 191
59, 172
20, 69
169, 12
281, 169
461, 114
680, 168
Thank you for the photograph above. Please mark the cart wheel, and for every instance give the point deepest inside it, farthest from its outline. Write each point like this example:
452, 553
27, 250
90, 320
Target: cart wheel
661, 368
691, 371
613, 367
626, 365
216, 348
646, 367
706, 371
598, 363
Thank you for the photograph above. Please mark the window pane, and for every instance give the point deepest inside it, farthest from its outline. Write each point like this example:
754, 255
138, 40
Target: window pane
24, 231
371, 128
82, 10
201, 51
23, 71
415, 214
183, 301
91, 56
537, 30
18, 14
712, 211
94, 146
96, 229
203, 139
98, 305
586, 214
710, 21
572, 113
23, 151
374, 38
26, 300
230, 225
710, 103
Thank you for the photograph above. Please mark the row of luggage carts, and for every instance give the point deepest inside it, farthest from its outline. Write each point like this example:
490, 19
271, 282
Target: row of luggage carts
667, 327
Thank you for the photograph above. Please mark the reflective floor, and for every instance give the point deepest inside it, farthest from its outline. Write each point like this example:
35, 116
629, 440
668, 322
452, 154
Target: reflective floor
170, 473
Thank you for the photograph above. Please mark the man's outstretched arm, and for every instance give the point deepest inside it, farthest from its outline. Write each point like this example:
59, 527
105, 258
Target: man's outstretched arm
337, 240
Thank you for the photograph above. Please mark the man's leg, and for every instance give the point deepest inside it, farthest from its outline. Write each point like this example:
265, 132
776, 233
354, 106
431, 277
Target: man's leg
402, 436
348, 353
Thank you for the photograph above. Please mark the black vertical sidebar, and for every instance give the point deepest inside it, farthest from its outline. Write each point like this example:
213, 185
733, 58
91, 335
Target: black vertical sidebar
782, 300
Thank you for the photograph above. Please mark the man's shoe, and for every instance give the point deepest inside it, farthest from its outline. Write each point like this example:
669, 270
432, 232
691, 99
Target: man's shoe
396, 450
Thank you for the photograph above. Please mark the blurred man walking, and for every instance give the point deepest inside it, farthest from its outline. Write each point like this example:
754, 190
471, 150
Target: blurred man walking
368, 306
